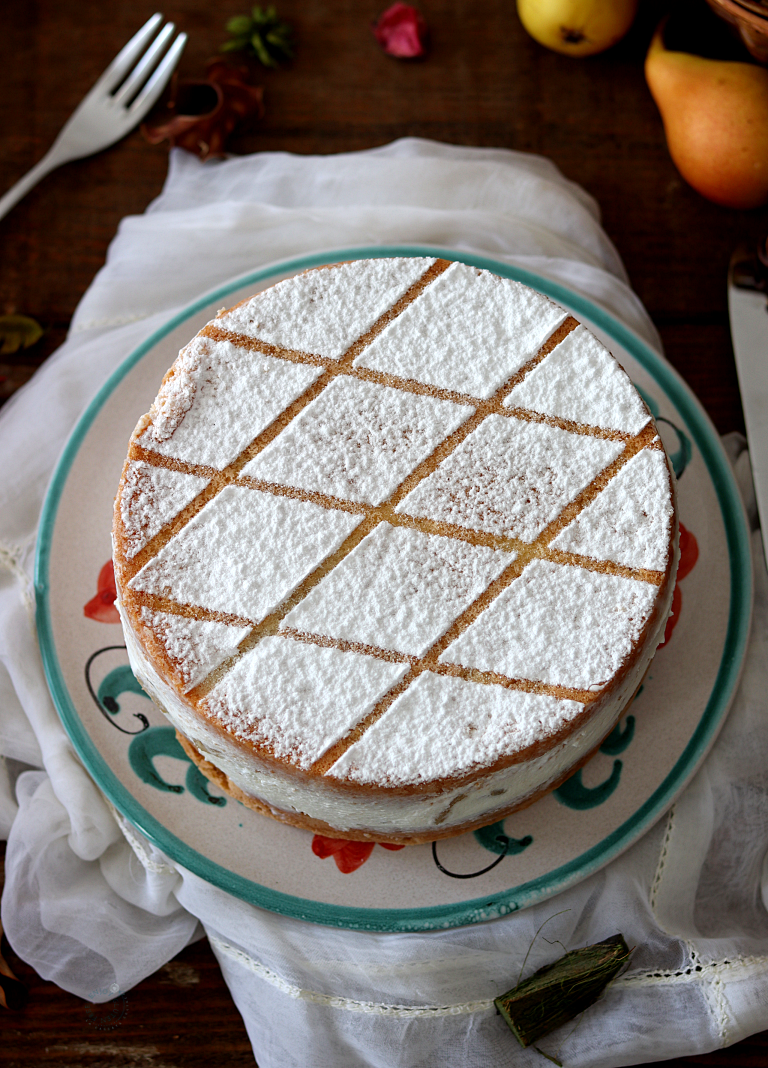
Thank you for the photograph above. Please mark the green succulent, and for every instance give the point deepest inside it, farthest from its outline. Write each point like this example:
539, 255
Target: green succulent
262, 34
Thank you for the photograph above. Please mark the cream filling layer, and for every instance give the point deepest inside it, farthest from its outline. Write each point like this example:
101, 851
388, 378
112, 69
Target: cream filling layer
397, 814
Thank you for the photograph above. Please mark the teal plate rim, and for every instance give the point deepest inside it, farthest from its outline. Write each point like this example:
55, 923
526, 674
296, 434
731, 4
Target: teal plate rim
498, 904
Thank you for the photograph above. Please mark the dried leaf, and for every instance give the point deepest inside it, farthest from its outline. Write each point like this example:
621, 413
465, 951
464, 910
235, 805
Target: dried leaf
561, 990
200, 116
18, 332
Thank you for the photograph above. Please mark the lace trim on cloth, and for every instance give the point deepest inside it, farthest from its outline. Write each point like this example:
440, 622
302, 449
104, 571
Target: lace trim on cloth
293, 991
11, 557
709, 974
143, 856
662, 863
114, 320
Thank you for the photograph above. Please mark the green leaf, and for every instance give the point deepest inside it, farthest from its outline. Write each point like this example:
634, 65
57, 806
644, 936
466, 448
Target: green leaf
279, 43
561, 990
239, 26
18, 332
263, 34
261, 51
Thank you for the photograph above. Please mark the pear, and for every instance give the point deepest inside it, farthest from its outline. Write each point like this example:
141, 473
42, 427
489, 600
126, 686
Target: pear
715, 115
577, 27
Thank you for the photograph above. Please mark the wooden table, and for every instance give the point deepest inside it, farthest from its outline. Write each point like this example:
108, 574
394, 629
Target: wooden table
484, 83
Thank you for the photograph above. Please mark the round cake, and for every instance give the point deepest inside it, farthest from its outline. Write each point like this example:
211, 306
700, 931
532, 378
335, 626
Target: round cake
394, 547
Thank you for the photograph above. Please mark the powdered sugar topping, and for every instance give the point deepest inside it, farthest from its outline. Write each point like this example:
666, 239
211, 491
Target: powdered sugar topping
225, 560
510, 477
468, 332
217, 398
150, 498
580, 380
193, 646
399, 589
298, 700
325, 310
357, 441
444, 727
557, 624
631, 520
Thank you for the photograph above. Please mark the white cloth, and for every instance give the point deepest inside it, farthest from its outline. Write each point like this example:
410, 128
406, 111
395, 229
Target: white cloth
96, 910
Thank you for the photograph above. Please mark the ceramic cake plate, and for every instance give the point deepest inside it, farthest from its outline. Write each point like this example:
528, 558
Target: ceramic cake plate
132, 753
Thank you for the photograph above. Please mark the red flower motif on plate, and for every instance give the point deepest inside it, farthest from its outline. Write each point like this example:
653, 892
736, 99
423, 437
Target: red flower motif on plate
689, 554
102, 607
349, 856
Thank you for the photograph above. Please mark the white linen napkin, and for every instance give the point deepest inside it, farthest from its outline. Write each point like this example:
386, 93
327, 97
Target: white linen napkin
94, 907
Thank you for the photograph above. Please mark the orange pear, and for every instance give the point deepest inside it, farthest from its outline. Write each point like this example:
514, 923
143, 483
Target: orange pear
715, 115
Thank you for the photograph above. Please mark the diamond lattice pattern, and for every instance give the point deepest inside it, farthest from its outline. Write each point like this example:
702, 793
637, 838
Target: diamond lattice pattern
421, 489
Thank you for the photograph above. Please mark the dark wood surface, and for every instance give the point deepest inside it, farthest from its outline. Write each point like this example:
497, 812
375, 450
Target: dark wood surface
484, 83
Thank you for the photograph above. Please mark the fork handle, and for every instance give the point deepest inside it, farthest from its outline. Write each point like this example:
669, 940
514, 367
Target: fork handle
53, 158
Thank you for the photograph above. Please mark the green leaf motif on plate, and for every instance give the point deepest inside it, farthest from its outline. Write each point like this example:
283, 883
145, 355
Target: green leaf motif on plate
574, 794
496, 841
118, 681
162, 741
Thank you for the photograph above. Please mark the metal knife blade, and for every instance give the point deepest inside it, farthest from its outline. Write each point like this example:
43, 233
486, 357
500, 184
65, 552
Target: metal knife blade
748, 309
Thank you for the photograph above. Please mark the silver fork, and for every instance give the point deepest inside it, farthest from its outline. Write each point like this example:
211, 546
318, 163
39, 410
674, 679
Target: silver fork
119, 100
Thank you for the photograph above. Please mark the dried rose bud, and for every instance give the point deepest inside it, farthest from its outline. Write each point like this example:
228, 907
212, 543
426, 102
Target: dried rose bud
401, 31
200, 116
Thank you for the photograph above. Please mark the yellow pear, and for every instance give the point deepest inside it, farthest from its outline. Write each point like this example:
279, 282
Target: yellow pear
715, 115
577, 27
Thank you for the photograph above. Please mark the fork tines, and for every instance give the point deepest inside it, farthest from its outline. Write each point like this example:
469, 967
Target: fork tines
139, 72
